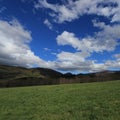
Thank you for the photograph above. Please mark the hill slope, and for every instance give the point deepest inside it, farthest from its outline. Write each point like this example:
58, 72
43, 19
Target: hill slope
18, 76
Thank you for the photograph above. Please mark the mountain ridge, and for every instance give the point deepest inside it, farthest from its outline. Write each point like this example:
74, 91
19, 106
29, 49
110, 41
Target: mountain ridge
13, 76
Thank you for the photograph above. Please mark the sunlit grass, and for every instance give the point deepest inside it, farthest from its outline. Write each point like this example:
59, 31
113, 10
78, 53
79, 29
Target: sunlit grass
90, 101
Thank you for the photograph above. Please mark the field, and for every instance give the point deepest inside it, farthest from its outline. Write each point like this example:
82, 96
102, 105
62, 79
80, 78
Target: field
88, 101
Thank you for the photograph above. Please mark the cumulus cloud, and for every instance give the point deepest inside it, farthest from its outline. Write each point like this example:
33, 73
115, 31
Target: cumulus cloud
105, 40
14, 45
77, 62
15, 39
15, 50
78, 66
73, 61
67, 38
48, 24
113, 64
72, 57
72, 10
117, 56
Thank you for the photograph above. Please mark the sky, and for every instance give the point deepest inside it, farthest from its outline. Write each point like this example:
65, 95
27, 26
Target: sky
77, 36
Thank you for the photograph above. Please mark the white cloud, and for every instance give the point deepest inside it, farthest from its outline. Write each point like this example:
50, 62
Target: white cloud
74, 9
72, 57
73, 61
112, 64
117, 56
78, 66
48, 24
67, 38
104, 40
67, 61
14, 48
47, 49
15, 39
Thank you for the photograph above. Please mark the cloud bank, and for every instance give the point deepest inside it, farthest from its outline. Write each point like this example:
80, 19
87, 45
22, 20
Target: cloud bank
15, 50
106, 40
72, 10
15, 39
14, 45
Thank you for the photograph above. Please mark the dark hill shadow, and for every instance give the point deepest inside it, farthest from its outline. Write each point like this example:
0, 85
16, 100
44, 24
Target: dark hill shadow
11, 76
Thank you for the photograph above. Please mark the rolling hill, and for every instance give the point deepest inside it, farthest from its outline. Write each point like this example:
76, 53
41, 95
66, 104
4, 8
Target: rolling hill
12, 76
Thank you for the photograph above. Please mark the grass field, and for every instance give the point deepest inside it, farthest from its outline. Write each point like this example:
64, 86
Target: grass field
89, 101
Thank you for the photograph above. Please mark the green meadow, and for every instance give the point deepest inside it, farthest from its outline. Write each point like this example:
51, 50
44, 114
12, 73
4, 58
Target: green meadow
88, 101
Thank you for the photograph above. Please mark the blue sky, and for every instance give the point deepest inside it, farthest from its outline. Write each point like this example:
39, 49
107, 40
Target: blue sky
65, 35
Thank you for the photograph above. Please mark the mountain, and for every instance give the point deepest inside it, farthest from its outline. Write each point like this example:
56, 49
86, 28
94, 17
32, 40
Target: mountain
19, 76
12, 76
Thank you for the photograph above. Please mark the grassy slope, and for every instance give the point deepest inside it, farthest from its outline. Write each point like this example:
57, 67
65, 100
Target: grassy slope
90, 101
10, 72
